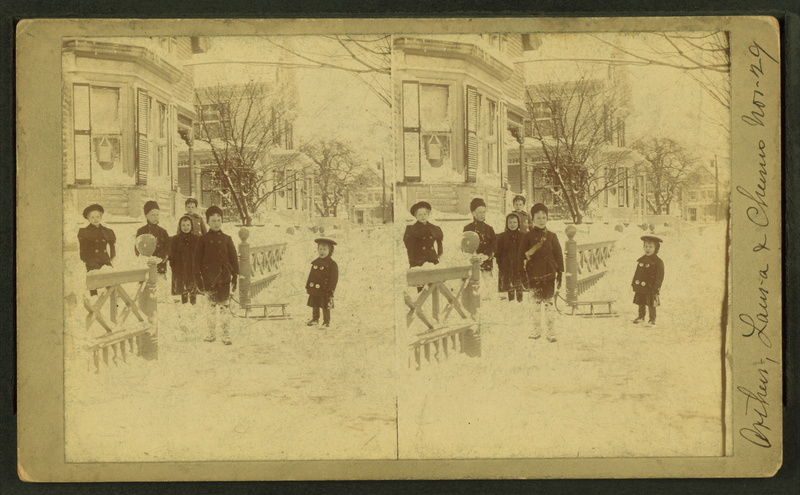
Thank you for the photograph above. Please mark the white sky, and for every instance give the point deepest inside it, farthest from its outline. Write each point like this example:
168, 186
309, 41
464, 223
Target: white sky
665, 102
332, 104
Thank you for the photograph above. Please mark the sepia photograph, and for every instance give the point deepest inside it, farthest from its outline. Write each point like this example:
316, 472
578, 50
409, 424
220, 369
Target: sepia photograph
563, 185
399, 249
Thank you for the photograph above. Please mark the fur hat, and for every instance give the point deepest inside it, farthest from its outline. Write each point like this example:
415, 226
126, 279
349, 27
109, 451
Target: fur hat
538, 207
213, 210
476, 203
150, 206
92, 208
518, 197
421, 204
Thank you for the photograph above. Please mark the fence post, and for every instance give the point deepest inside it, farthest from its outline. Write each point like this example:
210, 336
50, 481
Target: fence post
471, 298
572, 265
244, 268
148, 300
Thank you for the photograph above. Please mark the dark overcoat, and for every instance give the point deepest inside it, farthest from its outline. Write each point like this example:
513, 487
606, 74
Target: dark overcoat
162, 243
487, 242
322, 281
96, 246
525, 223
198, 224
541, 257
649, 275
215, 259
419, 239
181, 254
508, 262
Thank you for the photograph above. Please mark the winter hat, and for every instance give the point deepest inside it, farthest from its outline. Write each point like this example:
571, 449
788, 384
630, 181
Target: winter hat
539, 207
185, 217
92, 208
213, 210
476, 203
150, 206
518, 197
325, 240
190, 200
421, 204
652, 238
519, 223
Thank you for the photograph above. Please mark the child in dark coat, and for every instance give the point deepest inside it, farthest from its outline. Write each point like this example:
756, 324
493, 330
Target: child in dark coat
321, 283
199, 227
509, 268
152, 213
420, 237
647, 280
543, 263
181, 251
216, 272
487, 244
96, 241
524, 218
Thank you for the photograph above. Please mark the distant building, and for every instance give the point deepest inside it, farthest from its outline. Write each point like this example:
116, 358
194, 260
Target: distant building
459, 104
705, 195
370, 199
128, 109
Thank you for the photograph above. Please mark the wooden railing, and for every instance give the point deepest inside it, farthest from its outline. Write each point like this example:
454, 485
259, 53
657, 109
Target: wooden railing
450, 329
585, 264
259, 266
121, 337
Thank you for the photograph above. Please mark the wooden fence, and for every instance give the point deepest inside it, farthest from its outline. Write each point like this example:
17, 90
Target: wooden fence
122, 338
450, 329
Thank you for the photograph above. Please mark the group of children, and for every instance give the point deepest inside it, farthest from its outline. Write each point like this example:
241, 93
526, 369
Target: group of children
202, 260
529, 259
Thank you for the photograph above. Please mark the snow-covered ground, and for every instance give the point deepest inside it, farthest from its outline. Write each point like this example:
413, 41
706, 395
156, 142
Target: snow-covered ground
606, 388
286, 391
281, 391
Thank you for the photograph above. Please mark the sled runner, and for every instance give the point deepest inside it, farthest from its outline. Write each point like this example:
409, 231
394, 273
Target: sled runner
586, 309
585, 264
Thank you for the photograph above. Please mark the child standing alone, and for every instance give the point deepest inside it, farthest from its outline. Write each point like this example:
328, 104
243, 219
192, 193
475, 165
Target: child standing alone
96, 241
648, 278
322, 282
543, 262
508, 265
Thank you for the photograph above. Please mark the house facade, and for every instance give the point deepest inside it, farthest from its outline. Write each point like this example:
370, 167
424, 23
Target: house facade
370, 199
128, 110
706, 194
458, 106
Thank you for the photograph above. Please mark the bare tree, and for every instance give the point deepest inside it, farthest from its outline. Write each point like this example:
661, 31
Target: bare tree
576, 124
241, 123
368, 58
336, 165
667, 165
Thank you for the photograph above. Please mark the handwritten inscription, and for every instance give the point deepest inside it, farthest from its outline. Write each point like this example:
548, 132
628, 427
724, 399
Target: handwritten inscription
757, 212
758, 325
757, 69
757, 434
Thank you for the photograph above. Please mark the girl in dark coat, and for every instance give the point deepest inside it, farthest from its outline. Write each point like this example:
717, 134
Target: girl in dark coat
181, 250
321, 283
543, 263
508, 264
96, 241
647, 280
420, 237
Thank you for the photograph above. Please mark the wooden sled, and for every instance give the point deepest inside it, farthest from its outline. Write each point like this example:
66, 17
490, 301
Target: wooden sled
586, 309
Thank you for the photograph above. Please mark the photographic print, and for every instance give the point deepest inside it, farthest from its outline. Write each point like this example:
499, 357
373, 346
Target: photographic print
399, 249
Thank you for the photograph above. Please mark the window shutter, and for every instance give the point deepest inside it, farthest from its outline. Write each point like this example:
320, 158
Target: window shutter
471, 152
82, 129
412, 161
142, 123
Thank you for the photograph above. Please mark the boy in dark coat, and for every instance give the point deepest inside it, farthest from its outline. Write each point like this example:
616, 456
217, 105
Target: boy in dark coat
96, 241
216, 272
487, 242
152, 213
181, 252
321, 283
199, 227
524, 218
647, 280
543, 263
508, 265
420, 237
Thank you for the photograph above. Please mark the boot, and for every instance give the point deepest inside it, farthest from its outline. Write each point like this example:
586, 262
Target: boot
536, 321
211, 337
550, 319
226, 338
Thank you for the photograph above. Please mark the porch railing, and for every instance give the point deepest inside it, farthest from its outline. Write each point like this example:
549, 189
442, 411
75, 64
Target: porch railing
259, 266
586, 264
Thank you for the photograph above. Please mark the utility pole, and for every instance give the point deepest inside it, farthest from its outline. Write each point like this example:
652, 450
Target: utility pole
383, 196
716, 189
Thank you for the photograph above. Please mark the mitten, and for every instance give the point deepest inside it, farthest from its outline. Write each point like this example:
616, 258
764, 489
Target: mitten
234, 281
330, 300
558, 280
